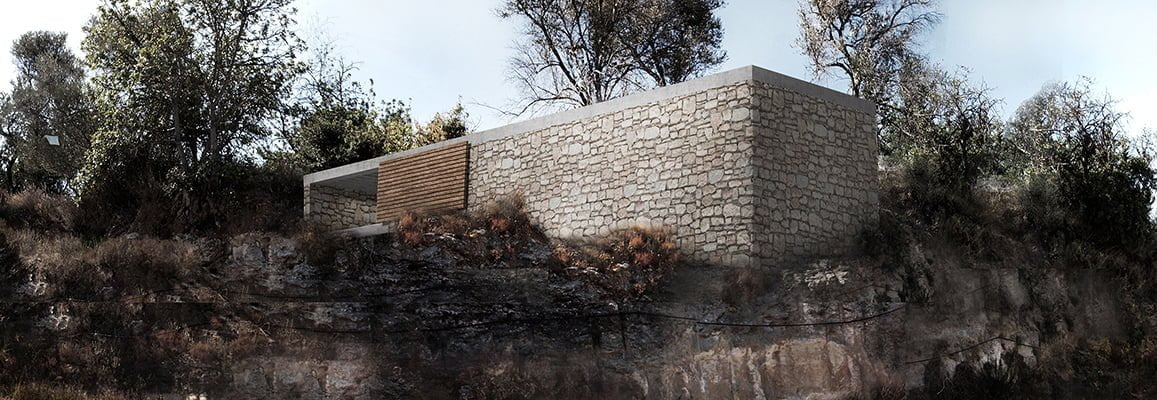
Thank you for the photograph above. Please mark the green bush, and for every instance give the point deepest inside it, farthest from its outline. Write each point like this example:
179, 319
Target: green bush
1103, 180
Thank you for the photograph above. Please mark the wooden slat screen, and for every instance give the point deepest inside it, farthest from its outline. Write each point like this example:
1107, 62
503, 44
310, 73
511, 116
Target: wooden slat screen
429, 181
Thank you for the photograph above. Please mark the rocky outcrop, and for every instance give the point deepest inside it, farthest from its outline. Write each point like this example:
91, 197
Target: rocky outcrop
487, 316
835, 328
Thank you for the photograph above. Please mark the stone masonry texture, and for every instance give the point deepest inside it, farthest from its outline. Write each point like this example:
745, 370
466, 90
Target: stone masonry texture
744, 174
744, 171
684, 163
335, 208
815, 174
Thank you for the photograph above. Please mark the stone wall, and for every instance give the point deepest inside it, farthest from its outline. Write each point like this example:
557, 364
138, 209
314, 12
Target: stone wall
682, 162
337, 208
747, 173
815, 165
746, 167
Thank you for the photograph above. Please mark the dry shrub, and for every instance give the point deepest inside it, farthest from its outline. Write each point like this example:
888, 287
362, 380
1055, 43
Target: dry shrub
14, 271
626, 264
499, 225
35, 208
232, 197
504, 218
52, 259
317, 245
146, 264
453, 224
411, 228
72, 269
508, 216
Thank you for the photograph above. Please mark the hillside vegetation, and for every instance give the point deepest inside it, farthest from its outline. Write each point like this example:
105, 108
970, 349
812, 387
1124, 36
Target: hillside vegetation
486, 306
158, 246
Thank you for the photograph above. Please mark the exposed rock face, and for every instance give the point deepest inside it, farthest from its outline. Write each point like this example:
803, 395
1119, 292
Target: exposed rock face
570, 356
811, 368
385, 320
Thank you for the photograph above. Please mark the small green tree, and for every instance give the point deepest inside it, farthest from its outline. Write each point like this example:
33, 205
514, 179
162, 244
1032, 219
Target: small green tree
333, 135
1104, 179
445, 126
337, 122
49, 99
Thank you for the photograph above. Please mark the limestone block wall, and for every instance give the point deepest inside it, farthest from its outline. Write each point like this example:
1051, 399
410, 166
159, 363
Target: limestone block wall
746, 167
336, 208
815, 174
683, 162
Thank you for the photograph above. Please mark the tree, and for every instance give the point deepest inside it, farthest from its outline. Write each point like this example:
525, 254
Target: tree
952, 123
7, 153
1104, 179
675, 40
581, 52
184, 85
452, 124
183, 89
338, 122
48, 98
868, 42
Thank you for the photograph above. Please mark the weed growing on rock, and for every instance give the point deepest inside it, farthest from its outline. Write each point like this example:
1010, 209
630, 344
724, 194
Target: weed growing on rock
627, 263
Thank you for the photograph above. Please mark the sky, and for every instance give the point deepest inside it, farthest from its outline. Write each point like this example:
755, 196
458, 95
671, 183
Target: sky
433, 53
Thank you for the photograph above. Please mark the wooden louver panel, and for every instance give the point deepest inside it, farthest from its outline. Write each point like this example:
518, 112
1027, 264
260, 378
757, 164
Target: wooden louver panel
429, 181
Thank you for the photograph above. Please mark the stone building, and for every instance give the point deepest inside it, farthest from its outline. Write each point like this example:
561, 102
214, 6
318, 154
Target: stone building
746, 167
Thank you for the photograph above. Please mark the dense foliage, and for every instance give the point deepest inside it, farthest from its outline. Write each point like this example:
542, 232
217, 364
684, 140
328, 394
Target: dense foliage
1074, 138
1080, 175
182, 110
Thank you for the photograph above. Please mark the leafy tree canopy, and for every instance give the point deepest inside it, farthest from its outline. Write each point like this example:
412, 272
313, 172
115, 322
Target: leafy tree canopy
48, 99
580, 52
182, 84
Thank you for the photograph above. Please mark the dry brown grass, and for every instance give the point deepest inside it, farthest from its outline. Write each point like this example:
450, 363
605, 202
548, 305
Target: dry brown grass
37, 209
73, 269
506, 217
627, 263
412, 228
144, 264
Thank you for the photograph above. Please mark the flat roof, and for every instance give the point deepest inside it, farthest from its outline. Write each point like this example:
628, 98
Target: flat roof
362, 175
